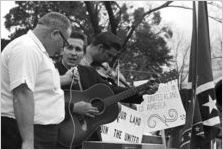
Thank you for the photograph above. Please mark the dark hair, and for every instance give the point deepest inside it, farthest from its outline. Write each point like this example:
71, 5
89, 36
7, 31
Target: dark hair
79, 35
108, 39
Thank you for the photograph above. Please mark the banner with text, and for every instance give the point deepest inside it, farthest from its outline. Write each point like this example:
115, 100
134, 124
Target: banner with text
162, 110
127, 128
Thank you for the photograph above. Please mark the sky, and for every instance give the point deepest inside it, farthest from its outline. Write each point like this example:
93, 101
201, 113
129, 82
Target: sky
179, 19
5, 7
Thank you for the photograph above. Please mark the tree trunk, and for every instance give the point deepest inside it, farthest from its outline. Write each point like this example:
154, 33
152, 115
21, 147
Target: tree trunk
93, 15
112, 20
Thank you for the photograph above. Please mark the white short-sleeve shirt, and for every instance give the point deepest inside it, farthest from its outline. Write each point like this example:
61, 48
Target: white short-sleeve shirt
25, 60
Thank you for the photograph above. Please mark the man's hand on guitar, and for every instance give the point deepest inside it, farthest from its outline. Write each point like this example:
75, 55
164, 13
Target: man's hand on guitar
153, 84
150, 90
85, 108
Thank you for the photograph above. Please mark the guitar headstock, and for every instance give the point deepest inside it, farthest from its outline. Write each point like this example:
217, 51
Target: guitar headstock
153, 84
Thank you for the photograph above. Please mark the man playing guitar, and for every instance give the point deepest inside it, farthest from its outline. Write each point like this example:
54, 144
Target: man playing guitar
84, 78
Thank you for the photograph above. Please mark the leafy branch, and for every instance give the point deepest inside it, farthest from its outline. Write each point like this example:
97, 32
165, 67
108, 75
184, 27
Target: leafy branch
134, 26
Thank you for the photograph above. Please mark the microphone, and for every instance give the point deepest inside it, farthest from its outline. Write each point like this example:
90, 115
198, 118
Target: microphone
75, 72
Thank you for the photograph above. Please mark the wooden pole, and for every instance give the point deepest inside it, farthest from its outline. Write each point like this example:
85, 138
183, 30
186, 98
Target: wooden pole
213, 144
163, 138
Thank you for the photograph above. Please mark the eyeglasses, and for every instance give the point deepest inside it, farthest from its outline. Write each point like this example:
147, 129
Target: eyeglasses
65, 42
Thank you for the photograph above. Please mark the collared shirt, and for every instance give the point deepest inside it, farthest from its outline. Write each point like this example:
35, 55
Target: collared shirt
25, 60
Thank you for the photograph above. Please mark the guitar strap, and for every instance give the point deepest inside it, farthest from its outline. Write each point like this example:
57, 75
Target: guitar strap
80, 86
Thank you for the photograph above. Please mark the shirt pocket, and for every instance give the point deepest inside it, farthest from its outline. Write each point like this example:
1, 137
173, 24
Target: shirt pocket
54, 76
49, 78
56, 79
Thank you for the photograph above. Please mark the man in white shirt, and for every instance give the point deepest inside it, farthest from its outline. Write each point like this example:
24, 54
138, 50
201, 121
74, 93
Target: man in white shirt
32, 102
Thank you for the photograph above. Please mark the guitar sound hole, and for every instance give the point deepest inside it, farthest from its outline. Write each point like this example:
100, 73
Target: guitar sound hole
99, 104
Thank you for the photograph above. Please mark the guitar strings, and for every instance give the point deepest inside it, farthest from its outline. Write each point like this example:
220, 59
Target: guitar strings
70, 113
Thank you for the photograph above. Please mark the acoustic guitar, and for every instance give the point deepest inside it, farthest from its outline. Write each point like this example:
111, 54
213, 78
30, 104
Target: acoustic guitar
78, 128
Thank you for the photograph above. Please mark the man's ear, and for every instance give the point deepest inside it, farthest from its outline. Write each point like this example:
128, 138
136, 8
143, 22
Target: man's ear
100, 47
55, 35
62, 52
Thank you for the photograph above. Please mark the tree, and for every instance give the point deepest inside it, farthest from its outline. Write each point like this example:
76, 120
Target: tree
139, 30
216, 54
26, 14
147, 52
181, 47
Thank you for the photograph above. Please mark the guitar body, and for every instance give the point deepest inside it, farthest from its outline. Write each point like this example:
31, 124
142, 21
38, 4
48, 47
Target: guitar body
80, 128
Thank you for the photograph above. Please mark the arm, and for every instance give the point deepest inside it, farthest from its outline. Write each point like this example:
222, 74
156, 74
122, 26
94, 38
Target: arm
66, 78
136, 99
23, 103
23, 69
81, 107
85, 108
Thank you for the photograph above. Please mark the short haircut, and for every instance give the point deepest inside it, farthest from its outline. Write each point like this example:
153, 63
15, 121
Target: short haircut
108, 39
55, 20
79, 35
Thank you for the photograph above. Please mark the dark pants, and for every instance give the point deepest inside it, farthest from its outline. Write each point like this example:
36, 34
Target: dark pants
45, 136
96, 136
10, 136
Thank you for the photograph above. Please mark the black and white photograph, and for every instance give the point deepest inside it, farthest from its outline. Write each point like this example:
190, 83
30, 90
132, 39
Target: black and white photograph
111, 74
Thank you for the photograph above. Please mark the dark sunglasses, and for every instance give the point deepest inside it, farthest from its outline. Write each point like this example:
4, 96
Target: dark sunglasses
65, 42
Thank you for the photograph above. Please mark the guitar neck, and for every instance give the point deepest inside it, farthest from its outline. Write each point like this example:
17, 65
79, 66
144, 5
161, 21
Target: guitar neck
125, 94
165, 77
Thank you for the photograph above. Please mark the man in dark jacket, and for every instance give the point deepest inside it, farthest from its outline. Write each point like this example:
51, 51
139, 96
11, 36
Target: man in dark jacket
84, 78
102, 49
